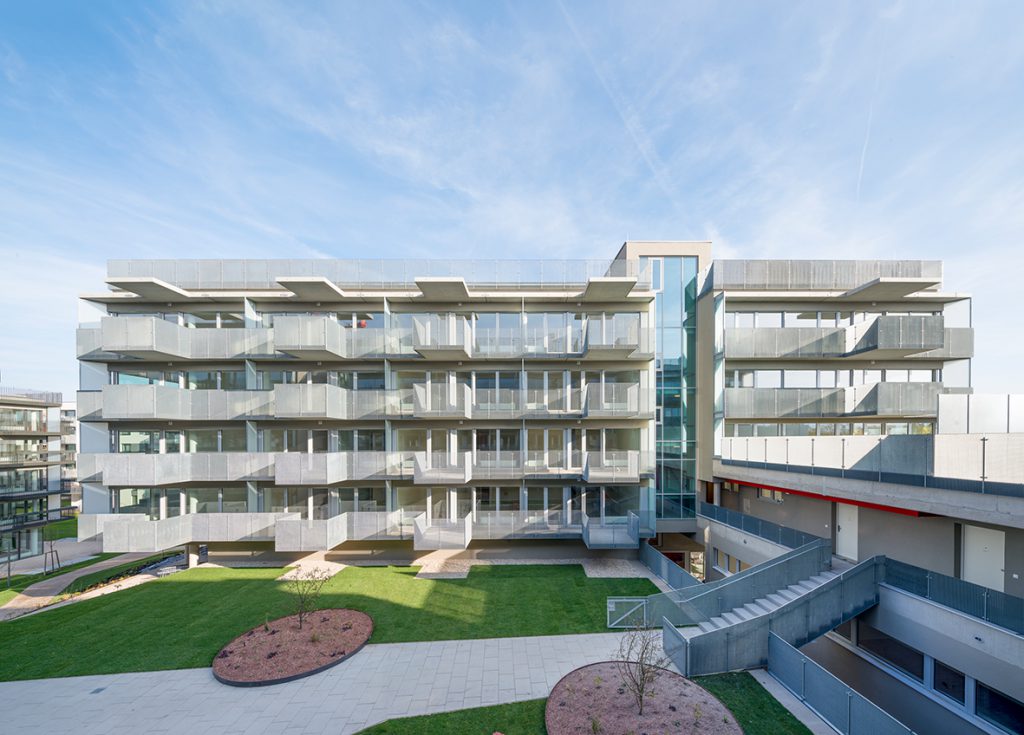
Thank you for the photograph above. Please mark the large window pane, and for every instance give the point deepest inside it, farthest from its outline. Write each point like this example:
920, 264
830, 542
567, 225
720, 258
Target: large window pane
949, 682
999, 709
891, 650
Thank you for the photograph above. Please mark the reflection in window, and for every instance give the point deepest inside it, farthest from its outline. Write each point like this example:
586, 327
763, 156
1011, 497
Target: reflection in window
999, 709
949, 682
891, 650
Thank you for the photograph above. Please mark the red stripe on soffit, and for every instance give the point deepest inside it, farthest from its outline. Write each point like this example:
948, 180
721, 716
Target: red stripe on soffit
832, 498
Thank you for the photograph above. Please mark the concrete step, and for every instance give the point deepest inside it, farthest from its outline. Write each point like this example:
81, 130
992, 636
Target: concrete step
743, 613
731, 618
706, 627
765, 604
776, 599
719, 622
800, 588
757, 608
787, 594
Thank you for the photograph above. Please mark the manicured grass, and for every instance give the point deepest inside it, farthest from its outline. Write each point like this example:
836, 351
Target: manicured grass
518, 718
105, 576
757, 711
20, 581
67, 528
200, 610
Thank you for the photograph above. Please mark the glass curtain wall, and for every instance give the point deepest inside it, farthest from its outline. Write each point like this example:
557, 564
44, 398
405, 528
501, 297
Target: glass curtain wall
675, 285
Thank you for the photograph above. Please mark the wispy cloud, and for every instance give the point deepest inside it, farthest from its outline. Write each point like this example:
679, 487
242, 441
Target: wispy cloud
228, 129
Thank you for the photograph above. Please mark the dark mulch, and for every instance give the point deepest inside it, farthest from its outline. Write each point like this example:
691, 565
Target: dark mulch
592, 700
280, 651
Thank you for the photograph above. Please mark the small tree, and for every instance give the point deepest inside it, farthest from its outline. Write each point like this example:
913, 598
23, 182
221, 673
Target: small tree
639, 658
307, 586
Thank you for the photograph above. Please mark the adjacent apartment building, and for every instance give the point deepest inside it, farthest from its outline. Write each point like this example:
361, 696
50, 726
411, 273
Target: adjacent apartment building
30, 472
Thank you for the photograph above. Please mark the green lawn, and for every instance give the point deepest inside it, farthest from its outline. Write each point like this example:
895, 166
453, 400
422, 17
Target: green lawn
757, 711
67, 528
199, 610
20, 581
753, 707
105, 576
518, 718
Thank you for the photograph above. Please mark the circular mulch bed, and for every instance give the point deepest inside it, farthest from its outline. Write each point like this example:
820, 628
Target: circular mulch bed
280, 652
592, 699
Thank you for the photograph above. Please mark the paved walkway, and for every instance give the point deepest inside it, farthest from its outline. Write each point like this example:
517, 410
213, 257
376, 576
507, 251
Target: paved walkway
42, 593
71, 551
381, 682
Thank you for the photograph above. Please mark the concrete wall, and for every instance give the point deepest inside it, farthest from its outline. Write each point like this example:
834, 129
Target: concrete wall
804, 514
926, 541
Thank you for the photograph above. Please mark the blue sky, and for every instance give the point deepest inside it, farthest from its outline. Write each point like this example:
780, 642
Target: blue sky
528, 129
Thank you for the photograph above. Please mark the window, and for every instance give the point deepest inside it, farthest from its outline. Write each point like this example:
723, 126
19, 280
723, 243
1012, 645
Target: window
769, 319
891, 650
772, 496
948, 681
768, 378
797, 379
999, 709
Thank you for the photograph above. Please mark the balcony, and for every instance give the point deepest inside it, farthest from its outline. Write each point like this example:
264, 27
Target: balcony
898, 336
442, 401
621, 532
766, 343
503, 465
497, 403
442, 468
160, 470
552, 343
617, 400
442, 534
613, 341
555, 403
500, 525
553, 464
612, 467
498, 344
297, 534
441, 338
136, 533
321, 338
39, 456
328, 468
149, 338
744, 403
894, 399
161, 402
330, 402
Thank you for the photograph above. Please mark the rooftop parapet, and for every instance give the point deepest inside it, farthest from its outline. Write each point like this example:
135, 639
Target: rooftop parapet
378, 274
822, 275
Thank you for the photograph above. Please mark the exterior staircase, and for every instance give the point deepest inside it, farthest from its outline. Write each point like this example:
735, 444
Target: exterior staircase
765, 605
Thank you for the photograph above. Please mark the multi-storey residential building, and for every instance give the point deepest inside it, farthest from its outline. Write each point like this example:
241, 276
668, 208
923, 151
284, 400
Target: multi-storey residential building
70, 489
759, 414
440, 402
29, 469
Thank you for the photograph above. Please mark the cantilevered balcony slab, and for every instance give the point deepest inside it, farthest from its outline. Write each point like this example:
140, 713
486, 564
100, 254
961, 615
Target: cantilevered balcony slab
312, 288
888, 288
608, 289
162, 470
328, 468
151, 289
442, 339
441, 468
443, 289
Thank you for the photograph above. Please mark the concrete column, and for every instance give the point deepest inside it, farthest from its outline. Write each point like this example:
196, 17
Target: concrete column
182, 502
192, 555
163, 505
309, 504
252, 497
